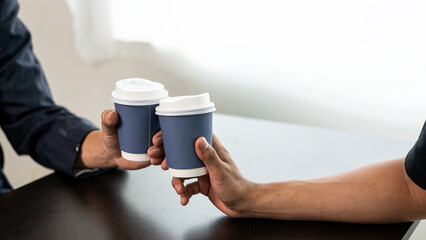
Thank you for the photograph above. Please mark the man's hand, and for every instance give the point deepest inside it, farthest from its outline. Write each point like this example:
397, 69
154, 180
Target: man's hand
101, 149
226, 188
376, 193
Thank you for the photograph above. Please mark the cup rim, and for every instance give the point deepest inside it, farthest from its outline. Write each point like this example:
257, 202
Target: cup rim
136, 103
185, 113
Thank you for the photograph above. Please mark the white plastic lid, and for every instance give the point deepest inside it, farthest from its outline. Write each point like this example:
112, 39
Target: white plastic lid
138, 91
185, 105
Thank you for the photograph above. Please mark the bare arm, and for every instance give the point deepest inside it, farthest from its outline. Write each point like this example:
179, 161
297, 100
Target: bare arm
377, 193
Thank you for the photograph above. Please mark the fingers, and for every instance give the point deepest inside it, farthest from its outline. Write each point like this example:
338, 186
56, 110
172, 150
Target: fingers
216, 143
157, 161
157, 139
190, 190
156, 154
110, 142
204, 184
109, 122
177, 184
164, 164
207, 154
186, 192
221, 150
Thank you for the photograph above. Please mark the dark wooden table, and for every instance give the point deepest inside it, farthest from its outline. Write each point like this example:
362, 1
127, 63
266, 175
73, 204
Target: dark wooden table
142, 204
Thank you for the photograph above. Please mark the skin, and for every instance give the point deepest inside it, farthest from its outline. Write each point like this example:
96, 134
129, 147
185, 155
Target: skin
376, 193
100, 149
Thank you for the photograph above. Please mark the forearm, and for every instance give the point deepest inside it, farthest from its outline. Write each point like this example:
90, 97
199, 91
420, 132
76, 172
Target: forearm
376, 193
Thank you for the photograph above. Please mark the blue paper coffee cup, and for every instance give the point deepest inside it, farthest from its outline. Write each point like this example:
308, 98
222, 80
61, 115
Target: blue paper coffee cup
183, 120
135, 100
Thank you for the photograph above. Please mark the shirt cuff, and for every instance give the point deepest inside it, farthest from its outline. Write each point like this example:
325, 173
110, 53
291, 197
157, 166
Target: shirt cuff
87, 173
79, 172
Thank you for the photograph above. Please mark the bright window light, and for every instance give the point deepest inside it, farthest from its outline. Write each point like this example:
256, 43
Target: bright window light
337, 47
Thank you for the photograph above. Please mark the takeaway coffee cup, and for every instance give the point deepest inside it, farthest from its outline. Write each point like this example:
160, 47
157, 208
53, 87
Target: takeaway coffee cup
135, 100
183, 120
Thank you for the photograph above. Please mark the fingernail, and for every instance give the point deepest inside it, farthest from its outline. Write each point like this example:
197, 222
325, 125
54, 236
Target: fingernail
204, 144
108, 116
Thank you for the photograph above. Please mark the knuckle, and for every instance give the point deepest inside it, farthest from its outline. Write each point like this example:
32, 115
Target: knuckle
211, 153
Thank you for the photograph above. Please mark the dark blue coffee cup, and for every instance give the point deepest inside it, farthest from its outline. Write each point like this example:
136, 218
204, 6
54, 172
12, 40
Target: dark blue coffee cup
136, 127
183, 120
135, 101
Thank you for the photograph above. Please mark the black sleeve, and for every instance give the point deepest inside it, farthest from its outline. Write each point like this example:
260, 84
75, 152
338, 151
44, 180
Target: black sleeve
415, 162
32, 122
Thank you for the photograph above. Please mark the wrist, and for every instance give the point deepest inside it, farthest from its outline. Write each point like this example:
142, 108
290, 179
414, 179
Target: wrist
249, 199
92, 153
267, 200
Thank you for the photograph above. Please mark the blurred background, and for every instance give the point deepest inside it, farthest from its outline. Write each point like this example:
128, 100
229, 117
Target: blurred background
351, 65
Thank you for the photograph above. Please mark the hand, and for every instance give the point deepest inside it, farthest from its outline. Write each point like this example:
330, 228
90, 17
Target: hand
226, 188
156, 152
101, 149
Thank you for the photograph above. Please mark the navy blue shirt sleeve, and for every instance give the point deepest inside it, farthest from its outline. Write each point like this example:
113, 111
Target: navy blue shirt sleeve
415, 162
32, 122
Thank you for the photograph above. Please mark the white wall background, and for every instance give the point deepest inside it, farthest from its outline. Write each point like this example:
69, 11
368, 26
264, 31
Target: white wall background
85, 89
351, 65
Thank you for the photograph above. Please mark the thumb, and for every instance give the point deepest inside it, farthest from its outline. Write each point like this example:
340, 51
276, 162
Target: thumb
109, 122
207, 154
